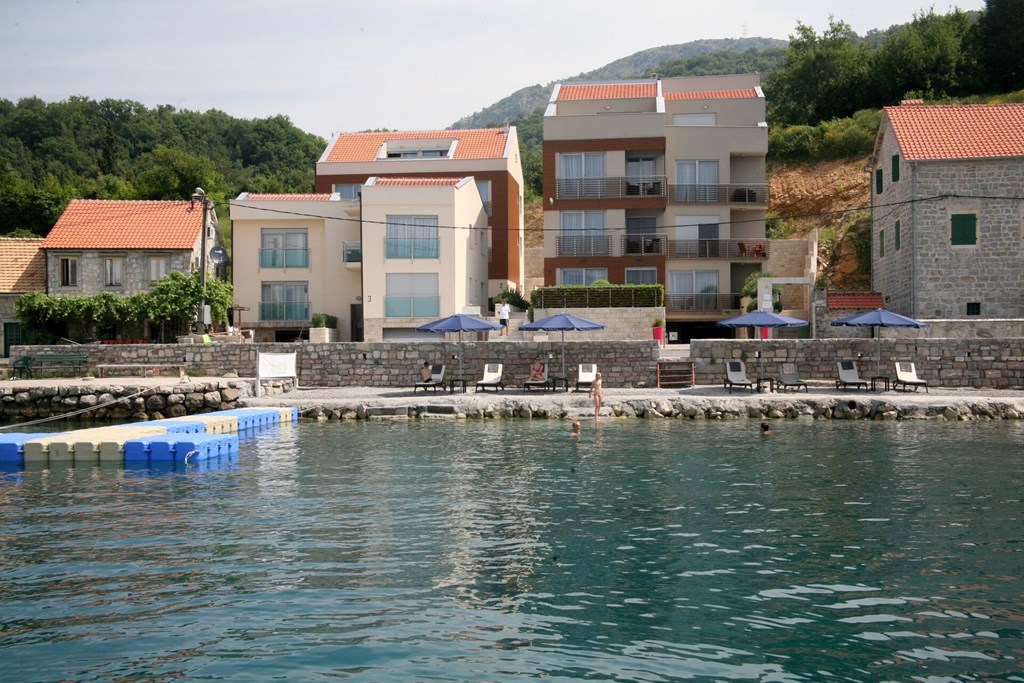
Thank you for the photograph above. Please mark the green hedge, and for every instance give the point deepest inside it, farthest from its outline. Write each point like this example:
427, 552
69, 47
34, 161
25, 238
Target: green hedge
613, 296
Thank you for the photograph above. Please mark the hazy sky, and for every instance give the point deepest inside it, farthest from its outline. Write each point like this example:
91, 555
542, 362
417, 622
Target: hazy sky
349, 65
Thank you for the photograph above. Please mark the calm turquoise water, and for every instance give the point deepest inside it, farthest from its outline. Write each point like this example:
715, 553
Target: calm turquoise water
503, 550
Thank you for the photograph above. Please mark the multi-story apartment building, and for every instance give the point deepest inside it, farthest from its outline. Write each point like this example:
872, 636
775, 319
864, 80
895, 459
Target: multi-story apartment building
490, 156
659, 180
946, 210
407, 252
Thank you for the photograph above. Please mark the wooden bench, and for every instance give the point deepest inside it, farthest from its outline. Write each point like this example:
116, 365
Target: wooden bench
75, 363
143, 368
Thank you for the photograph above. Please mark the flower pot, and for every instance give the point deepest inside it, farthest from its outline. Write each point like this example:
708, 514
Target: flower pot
659, 334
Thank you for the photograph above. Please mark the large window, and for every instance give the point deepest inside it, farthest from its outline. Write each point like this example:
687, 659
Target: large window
964, 229
485, 193
349, 192
581, 276
582, 233
113, 271
697, 180
641, 276
68, 271
157, 268
284, 301
412, 237
582, 175
412, 295
690, 290
284, 248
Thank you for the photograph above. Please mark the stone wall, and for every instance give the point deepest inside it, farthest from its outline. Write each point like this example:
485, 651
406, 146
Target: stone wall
978, 363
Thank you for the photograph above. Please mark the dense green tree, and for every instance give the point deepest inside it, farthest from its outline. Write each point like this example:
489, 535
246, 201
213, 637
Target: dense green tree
173, 174
1002, 40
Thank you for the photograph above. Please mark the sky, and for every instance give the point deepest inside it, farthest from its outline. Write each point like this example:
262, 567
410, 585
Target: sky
351, 65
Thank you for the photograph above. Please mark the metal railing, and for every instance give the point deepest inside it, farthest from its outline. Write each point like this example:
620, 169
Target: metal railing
732, 249
352, 252
297, 311
284, 258
584, 245
642, 245
701, 303
412, 306
732, 193
598, 297
610, 187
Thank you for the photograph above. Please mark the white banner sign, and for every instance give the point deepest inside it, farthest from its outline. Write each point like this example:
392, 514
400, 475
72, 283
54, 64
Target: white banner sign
271, 365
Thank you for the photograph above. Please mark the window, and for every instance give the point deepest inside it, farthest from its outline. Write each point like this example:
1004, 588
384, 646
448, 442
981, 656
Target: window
582, 175
412, 237
881, 243
349, 192
964, 229
485, 194
284, 301
641, 276
974, 308
640, 176
896, 235
878, 181
895, 167
581, 276
690, 290
582, 233
112, 271
709, 119
157, 268
697, 180
280, 248
412, 295
68, 271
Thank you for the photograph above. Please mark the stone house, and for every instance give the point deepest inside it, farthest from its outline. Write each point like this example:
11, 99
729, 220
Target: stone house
22, 270
946, 210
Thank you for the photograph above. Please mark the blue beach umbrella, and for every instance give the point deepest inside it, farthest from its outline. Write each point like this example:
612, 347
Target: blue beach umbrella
460, 322
560, 322
761, 319
878, 318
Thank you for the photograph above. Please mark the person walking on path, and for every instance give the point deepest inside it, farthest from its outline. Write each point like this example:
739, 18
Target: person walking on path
504, 311
597, 393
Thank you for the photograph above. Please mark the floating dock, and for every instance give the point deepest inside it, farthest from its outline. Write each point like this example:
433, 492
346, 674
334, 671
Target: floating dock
185, 439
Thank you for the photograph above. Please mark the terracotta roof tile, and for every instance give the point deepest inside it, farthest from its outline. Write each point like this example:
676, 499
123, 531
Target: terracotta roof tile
741, 93
974, 131
23, 267
607, 91
866, 301
484, 143
417, 181
251, 196
105, 224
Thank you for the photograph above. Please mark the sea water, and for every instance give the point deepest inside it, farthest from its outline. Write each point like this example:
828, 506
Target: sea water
504, 550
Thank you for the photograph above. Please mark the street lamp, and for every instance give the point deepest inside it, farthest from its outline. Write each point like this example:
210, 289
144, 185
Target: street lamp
199, 195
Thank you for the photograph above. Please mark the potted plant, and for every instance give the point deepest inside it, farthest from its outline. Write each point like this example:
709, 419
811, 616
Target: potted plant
658, 327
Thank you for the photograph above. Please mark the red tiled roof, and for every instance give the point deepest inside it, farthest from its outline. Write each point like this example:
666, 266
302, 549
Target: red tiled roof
287, 197
741, 93
973, 131
484, 143
23, 267
867, 301
607, 91
417, 181
106, 224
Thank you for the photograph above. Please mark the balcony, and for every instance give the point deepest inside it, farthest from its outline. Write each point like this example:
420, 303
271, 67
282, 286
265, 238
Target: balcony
702, 303
284, 258
412, 248
610, 188
598, 245
756, 249
284, 311
735, 194
644, 245
352, 255
412, 306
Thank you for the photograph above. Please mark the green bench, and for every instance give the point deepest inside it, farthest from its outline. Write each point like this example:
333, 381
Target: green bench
21, 367
72, 363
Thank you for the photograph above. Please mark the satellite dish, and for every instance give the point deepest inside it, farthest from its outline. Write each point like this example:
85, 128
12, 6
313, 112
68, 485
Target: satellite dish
218, 255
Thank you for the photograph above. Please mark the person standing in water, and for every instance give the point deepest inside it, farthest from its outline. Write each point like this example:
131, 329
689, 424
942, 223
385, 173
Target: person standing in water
597, 393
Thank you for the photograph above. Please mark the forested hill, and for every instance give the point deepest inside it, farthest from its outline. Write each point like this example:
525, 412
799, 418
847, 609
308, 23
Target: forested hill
526, 100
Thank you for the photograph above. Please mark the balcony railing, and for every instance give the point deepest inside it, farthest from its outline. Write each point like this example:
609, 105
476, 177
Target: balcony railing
297, 311
735, 193
352, 252
610, 187
643, 245
284, 258
584, 245
412, 247
700, 303
412, 306
732, 249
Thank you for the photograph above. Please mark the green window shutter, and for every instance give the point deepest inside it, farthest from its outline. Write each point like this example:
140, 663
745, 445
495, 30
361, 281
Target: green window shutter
896, 235
895, 167
964, 228
881, 243
878, 181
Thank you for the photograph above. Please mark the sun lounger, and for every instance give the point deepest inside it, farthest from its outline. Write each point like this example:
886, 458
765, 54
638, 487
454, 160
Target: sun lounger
492, 378
848, 376
736, 375
436, 380
789, 378
542, 383
585, 376
906, 376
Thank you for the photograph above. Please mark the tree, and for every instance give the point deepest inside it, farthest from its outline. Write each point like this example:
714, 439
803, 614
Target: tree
1002, 37
173, 174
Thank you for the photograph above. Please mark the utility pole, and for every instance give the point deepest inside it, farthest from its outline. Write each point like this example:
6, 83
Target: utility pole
199, 195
